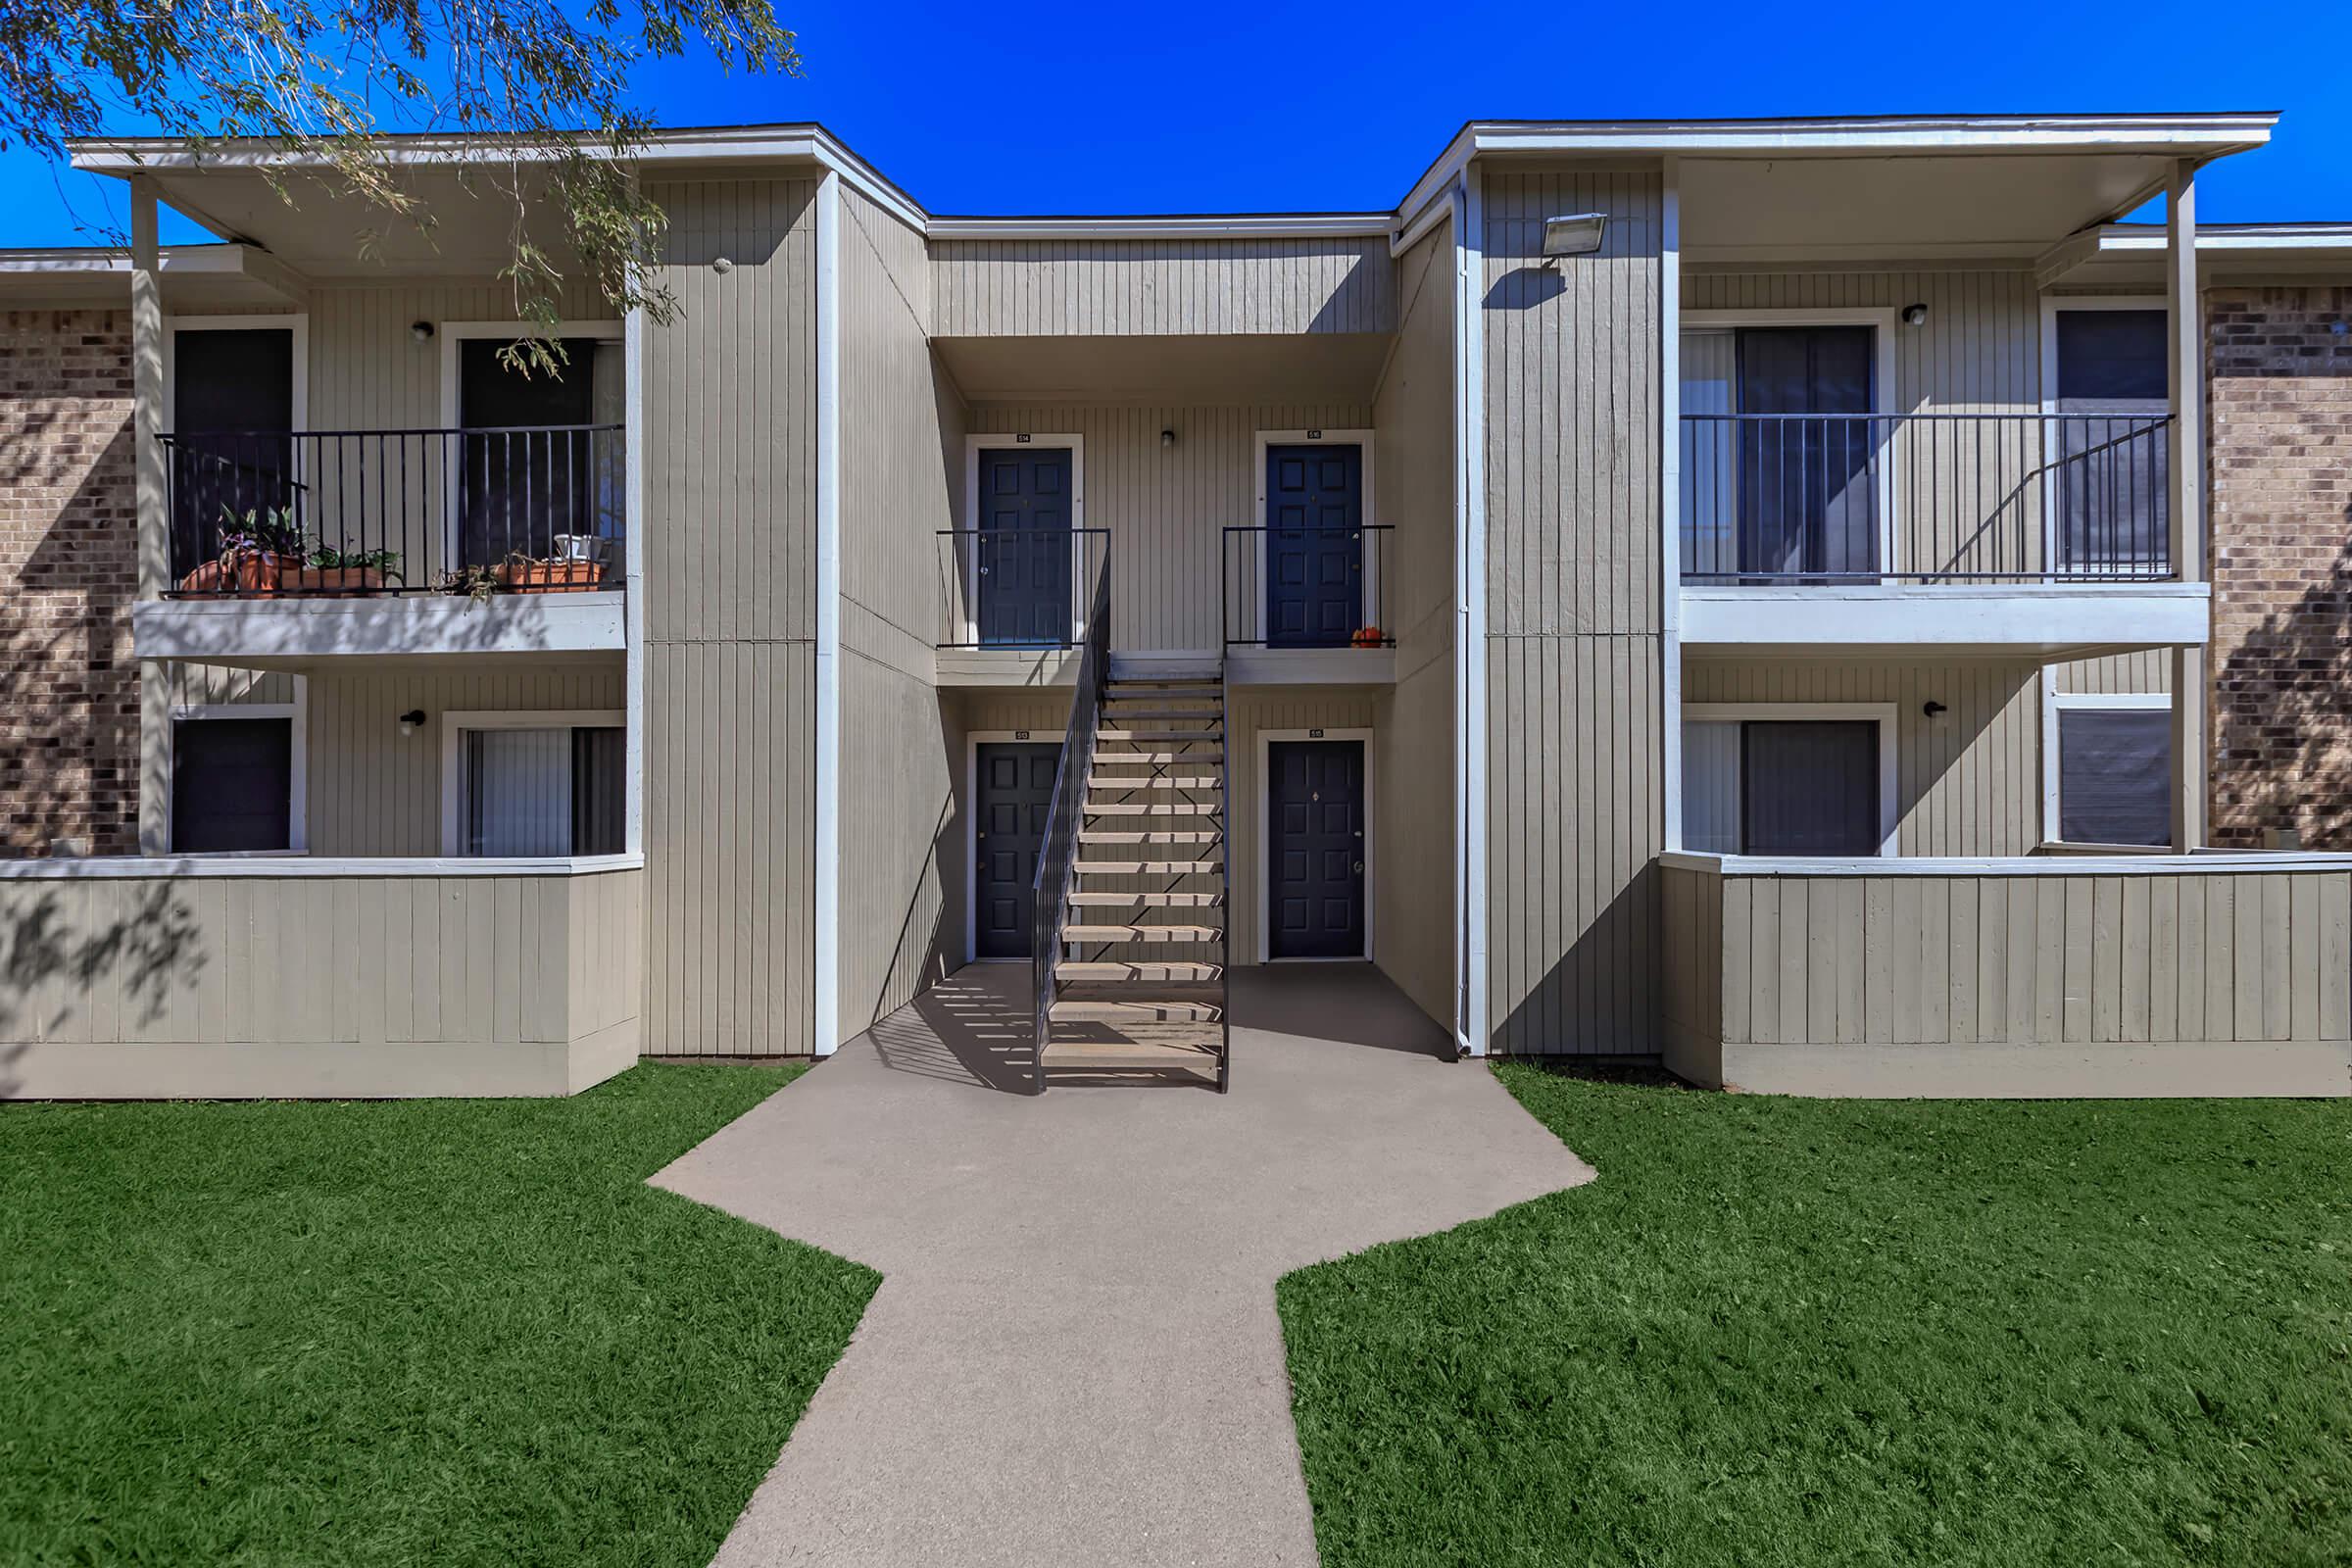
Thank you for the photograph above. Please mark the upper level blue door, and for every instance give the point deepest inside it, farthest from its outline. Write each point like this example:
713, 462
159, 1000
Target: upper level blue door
1022, 556
1315, 546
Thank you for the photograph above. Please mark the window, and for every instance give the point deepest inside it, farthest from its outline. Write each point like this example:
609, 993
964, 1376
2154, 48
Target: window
232, 782
2113, 773
2108, 474
534, 784
1787, 781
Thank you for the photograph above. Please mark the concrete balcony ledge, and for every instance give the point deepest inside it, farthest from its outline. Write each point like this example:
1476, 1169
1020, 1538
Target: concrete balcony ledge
294, 632
2043, 620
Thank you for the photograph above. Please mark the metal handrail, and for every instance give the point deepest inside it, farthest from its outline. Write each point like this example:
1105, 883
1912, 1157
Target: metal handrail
1931, 497
1225, 855
1245, 586
350, 512
962, 606
1058, 851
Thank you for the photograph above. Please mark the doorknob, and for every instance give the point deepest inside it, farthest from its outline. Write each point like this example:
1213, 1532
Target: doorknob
1359, 867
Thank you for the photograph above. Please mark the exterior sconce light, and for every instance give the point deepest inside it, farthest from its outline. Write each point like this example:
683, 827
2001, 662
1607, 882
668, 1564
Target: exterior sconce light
411, 722
1167, 438
1915, 315
422, 331
1577, 234
1932, 708
723, 266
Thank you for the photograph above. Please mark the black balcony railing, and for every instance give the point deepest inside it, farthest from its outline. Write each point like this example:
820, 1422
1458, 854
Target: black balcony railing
258, 514
1307, 586
1018, 587
1778, 497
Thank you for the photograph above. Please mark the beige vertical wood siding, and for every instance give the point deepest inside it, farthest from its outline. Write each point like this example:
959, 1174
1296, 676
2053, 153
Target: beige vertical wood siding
1691, 909
1979, 352
1968, 781
901, 459
2239, 956
368, 972
2149, 670
367, 369
375, 792
730, 446
1093, 288
1413, 751
1167, 507
199, 685
1574, 792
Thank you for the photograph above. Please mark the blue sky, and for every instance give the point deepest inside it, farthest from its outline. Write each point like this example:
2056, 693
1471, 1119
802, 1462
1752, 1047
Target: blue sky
1278, 105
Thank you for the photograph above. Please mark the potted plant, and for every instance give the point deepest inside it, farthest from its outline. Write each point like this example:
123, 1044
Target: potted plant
256, 553
519, 574
343, 574
1368, 637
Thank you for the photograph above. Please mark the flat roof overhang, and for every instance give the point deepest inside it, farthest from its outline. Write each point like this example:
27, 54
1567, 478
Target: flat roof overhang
301, 634
2130, 255
98, 277
2015, 620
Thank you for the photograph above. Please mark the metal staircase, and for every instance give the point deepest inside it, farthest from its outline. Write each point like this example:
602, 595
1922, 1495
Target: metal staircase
1130, 950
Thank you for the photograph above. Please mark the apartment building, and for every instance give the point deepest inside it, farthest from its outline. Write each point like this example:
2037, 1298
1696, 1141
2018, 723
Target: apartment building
1705, 591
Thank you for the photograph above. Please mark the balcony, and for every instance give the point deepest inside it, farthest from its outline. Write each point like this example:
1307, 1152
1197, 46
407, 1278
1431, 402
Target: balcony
2042, 535
1012, 603
1307, 603
2119, 975
286, 546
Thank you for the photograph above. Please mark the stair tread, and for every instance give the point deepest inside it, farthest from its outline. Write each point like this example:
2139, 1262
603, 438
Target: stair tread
1150, 900
1131, 1055
1148, 868
1156, 737
1142, 933
1170, 781
1188, 988
1154, 759
1095, 808
1104, 835
1138, 690
1127, 716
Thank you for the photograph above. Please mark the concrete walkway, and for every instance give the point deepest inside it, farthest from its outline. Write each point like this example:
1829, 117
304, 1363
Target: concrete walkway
1074, 1356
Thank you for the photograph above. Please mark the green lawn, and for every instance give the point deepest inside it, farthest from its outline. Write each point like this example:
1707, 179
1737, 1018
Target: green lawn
1789, 1332
453, 1332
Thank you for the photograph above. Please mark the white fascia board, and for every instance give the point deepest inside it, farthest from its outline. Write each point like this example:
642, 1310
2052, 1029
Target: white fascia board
1991, 616
1235, 225
2152, 863
281, 864
414, 625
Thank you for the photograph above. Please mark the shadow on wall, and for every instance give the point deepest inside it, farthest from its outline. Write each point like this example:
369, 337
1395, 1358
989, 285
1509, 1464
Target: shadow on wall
2282, 719
143, 956
68, 685
1601, 998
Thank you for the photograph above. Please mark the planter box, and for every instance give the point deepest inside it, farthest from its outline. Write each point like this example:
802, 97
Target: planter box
548, 576
250, 574
331, 582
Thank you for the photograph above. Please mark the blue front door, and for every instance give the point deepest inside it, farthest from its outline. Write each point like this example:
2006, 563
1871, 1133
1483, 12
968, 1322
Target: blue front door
1315, 864
1315, 546
1022, 556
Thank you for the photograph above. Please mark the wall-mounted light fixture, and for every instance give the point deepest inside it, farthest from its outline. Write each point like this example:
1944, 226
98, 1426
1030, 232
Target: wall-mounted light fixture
1167, 438
411, 721
722, 266
1576, 234
1932, 708
1915, 315
422, 331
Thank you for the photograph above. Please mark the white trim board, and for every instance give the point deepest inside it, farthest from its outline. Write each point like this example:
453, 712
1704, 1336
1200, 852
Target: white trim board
1885, 714
2055, 701
2155, 863
1368, 590
449, 334
1264, 895
1036, 441
825, 917
198, 866
973, 740
453, 721
297, 713
1472, 1035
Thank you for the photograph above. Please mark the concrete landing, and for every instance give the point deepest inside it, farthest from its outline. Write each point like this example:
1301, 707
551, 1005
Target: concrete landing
1074, 1356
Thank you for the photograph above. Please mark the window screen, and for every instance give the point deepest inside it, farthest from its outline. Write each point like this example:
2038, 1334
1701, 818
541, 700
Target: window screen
2115, 775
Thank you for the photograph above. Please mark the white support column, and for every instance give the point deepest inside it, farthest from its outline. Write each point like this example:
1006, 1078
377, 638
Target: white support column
1471, 1032
1670, 501
154, 527
632, 574
828, 614
2185, 352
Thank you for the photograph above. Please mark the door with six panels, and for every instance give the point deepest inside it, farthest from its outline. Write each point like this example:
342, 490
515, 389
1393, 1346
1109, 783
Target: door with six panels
1316, 861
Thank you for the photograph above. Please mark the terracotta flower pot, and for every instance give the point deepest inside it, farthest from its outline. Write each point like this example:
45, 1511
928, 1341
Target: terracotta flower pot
548, 576
333, 582
246, 573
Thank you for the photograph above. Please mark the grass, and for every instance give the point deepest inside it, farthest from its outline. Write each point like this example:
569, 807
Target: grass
1789, 1332
455, 1332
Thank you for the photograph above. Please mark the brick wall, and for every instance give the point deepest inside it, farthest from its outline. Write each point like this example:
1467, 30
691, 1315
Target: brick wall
2279, 382
68, 686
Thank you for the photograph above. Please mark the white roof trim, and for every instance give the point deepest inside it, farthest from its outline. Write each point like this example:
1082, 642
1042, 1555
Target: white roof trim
2152, 863
1235, 225
175, 868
